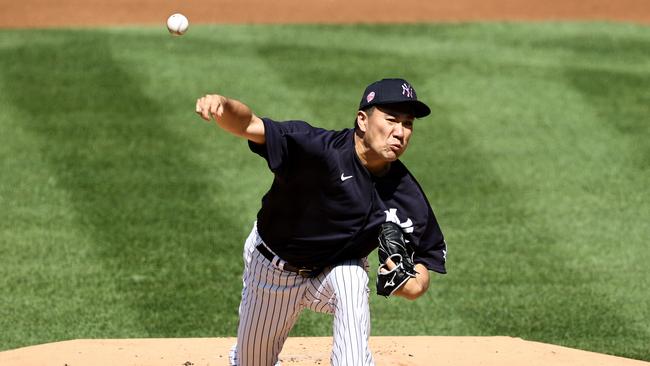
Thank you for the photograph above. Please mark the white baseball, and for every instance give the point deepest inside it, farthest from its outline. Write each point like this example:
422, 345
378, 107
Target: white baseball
177, 24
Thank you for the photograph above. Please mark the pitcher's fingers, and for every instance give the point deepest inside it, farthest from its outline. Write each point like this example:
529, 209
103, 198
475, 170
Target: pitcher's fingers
202, 116
220, 110
205, 109
200, 107
214, 107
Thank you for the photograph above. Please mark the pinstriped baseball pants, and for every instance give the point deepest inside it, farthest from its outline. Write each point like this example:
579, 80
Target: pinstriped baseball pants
272, 300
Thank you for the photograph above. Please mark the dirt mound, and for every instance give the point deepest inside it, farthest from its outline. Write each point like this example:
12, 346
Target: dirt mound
404, 351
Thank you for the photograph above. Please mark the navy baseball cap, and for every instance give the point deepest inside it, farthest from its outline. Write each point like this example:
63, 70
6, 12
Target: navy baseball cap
392, 91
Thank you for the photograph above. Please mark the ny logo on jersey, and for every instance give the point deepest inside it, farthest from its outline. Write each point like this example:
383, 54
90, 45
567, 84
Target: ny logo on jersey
391, 216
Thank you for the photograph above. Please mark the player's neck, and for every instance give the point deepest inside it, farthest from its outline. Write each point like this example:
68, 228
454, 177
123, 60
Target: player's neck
378, 170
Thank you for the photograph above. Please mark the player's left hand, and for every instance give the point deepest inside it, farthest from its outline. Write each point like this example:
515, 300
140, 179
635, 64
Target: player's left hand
393, 248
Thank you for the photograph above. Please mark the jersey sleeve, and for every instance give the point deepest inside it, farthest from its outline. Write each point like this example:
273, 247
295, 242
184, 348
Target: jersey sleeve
431, 250
280, 146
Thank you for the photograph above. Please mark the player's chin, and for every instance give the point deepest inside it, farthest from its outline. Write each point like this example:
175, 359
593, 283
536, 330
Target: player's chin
391, 156
393, 153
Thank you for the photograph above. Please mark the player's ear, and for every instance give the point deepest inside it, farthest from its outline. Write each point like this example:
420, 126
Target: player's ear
362, 121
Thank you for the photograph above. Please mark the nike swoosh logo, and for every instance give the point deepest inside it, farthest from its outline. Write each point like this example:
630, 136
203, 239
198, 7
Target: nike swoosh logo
344, 178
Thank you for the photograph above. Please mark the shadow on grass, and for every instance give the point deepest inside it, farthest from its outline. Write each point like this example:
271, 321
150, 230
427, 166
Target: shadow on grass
622, 102
132, 182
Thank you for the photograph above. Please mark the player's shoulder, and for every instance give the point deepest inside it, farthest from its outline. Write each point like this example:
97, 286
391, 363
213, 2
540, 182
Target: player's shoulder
298, 126
289, 126
304, 131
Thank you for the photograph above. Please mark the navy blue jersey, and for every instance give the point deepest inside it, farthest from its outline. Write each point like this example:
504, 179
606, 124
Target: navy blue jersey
324, 206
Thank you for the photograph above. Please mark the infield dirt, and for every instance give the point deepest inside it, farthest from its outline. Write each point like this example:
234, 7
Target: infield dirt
40, 13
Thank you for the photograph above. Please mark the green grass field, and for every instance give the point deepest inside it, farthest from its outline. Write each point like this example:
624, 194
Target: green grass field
122, 214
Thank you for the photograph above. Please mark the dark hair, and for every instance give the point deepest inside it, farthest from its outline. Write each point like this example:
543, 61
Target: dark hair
369, 111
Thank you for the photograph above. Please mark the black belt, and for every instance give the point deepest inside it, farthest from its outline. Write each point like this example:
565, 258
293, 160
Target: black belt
306, 272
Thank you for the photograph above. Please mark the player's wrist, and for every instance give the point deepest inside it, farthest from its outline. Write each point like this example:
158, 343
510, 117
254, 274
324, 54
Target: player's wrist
390, 264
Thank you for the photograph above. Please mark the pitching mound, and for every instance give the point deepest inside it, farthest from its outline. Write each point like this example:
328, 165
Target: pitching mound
457, 351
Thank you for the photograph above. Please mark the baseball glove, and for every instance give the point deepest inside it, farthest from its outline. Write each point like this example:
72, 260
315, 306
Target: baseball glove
393, 246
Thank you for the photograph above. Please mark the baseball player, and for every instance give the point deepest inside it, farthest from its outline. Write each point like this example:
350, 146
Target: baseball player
335, 197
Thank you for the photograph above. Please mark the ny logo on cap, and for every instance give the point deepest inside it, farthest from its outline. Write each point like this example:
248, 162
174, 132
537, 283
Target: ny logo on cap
407, 90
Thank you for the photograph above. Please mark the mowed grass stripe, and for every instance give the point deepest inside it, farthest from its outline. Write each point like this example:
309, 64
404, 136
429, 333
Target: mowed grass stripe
616, 182
547, 180
520, 161
51, 285
137, 194
555, 151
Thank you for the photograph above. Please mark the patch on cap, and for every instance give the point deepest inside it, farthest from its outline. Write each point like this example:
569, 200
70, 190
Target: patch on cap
370, 97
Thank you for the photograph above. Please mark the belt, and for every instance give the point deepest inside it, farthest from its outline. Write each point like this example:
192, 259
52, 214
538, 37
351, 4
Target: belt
306, 272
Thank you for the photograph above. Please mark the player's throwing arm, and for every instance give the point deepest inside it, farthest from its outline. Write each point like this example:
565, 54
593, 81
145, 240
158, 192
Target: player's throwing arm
231, 115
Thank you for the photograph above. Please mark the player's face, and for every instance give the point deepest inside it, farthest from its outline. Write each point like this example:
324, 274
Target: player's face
388, 131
